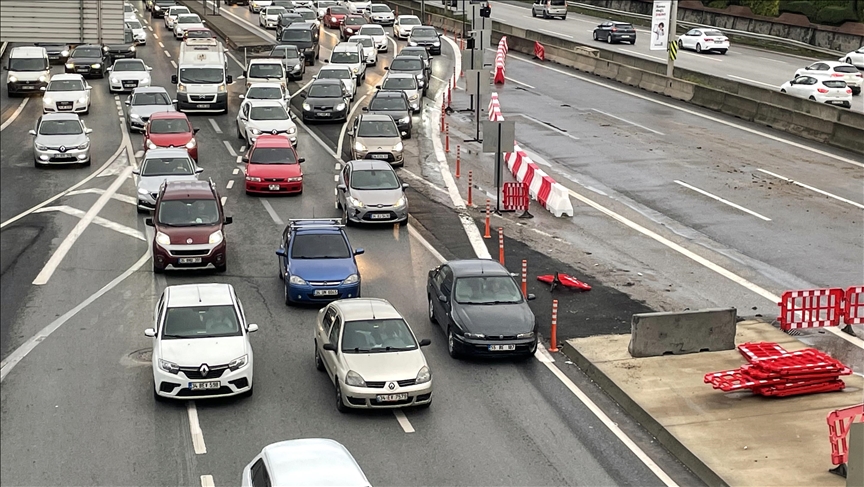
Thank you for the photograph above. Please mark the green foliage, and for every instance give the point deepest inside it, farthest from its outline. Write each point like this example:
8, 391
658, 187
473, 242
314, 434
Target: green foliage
832, 15
721, 4
804, 7
768, 8
831, 12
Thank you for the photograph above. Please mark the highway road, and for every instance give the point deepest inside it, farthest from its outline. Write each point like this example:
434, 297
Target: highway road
77, 406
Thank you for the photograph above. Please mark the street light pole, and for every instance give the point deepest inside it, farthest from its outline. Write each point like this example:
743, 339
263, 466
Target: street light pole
422, 11
673, 21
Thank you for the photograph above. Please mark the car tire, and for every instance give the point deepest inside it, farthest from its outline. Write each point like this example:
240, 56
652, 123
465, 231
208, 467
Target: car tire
285, 293
782, 90
345, 220
319, 364
431, 312
609, 39
699, 48
812, 98
156, 396
533, 13
239, 133
680, 45
451, 344
340, 402
633, 42
157, 270
722, 51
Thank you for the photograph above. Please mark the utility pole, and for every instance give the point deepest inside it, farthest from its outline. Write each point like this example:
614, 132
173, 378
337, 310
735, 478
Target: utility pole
673, 21
422, 11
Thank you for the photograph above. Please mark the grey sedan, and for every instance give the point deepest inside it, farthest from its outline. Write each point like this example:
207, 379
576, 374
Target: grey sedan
61, 138
370, 191
144, 102
158, 166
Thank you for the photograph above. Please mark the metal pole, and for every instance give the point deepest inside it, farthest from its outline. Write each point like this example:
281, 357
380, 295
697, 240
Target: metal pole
673, 20
477, 135
498, 172
422, 10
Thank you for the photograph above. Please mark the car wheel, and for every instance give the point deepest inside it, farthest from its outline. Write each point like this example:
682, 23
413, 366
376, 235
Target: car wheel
156, 396
698, 47
848, 60
340, 403
319, 365
722, 51
544, 15
782, 90
451, 344
680, 44
533, 13
594, 35
813, 98
345, 220
431, 310
632, 42
609, 39
157, 270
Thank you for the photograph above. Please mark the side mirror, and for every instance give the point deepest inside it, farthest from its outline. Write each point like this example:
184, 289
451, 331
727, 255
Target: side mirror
443, 298
150, 332
195, 131
364, 109
303, 94
173, 102
229, 220
301, 160
350, 133
199, 170
203, 21
88, 131
242, 97
342, 187
377, 87
110, 68
326, 60
32, 132
5, 68
149, 68
280, 252
229, 79
127, 103
173, 79
136, 172
251, 328
359, 251
405, 185
386, 68
244, 72
329, 346
531, 297
425, 342
43, 88
244, 159
88, 88
149, 222
315, 77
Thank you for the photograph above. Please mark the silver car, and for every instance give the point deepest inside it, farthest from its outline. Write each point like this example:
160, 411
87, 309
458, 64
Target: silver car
305, 461
158, 166
376, 137
61, 138
144, 102
370, 191
371, 355
406, 83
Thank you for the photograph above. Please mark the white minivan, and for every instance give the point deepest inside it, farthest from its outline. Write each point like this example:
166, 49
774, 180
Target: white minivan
28, 70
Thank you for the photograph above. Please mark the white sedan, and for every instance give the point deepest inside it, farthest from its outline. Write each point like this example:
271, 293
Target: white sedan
403, 25
187, 21
704, 40
269, 16
66, 93
357, 7
138, 32
268, 91
379, 35
172, 13
368, 45
835, 70
322, 6
855, 58
257, 117
128, 74
833, 92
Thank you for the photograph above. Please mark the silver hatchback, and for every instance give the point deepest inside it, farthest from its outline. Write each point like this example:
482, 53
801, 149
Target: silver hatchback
376, 137
61, 138
369, 191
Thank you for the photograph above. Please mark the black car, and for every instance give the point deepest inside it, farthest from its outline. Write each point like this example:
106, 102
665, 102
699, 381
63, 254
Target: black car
481, 309
305, 37
88, 60
124, 50
57, 53
422, 53
612, 31
288, 4
160, 7
285, 20
427, 37
410, 65
292, 60
395, 104
326, 99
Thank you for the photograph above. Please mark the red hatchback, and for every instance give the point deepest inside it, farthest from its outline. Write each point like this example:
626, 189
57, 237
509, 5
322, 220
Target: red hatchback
334, 16
351, 25
272, 166
171, 129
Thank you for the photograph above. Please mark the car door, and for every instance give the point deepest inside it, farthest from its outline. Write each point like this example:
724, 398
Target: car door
354, 128
537, 8
244, 118
286, 243
331, 358
345, 177
441, 283
322, 331
688, 39
260, 476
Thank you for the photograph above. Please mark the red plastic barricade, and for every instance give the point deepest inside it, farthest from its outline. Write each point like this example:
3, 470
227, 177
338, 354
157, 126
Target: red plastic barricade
811, 308
529, 174
853, 306
545, 189
539, 51
499, 70
839, 423
755, 350
516, 196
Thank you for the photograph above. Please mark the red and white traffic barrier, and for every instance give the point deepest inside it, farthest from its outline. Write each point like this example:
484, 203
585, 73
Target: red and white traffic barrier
500, 61
495, 109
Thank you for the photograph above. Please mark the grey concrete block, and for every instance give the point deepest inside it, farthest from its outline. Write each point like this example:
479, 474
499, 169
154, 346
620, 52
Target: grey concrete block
665, 333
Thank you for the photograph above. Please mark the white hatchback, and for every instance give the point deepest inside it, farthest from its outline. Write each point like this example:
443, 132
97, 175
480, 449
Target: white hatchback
404, 24
378, 34
368, 45
835, 70
257, 117
855, 58
833, 92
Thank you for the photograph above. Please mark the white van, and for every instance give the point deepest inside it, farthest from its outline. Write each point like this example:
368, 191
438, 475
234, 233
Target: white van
28, 70
350, 54
264, 70
202, 79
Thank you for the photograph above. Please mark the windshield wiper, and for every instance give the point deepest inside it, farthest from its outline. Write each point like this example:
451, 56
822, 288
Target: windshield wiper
173, 336
358, 350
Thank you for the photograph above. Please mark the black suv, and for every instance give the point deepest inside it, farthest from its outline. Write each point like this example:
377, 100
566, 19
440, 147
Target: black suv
88, 60
395, 104
160, 7
305, 37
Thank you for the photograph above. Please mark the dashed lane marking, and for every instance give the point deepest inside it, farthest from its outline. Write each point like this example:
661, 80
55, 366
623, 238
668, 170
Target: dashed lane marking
207, 481
102, 222
14, 114
161, 45
811, 188
167, 53
224, 200
230, 149
230, 184
195, 429
721, 200
627, 121
173, 64
236, 171
215, 126
403, 421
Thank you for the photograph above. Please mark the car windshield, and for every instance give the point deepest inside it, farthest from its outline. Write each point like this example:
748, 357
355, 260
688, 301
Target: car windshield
372, 30
335, 74
201, 75
28, 64
275, 10
133, 24
338, 11
845, 69
344, 57
487, 290
399, 84
266, 71
151, 99
88, 52
128, 8
129, 66
262, 93
320, 246
308, 15
377, 336
60, 127
355, 21
186, 213
268, 113
201, 322
559, 2
282, 52
169, 126
363, 41
370, 128
273, 155
715, 33
424, 33
415, 51
167, 166
406, 64
66, 85
409, 21
189, 19
372, 179
325, 91
387, 103
291, 35
198, 34
380, 8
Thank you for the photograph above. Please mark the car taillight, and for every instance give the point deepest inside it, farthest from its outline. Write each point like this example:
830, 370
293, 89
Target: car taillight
707, 39
822, 90
614, 29
848, 90
837, 75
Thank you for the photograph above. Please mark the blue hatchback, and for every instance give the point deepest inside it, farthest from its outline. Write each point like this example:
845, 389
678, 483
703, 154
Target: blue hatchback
316, 262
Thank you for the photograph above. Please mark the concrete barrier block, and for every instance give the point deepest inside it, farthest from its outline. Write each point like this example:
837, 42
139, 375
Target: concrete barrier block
740, 107
708, 97
653, 82
800, 124
607, 69
852, 119
665, 333
629, 76
636, 62
846, 137
680, 90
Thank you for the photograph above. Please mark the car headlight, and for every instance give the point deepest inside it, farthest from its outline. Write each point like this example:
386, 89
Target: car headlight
398, 147
412, 43
43, 79
47, 101
82, 100
115, 80
530, 334
162, 239
191, 144
40, 146
143, 191
132, 48
355, 70
70, 65
436, 43
239, 362
292, 130
151, 145
400, 202
157, 7
404, 119
64, 53
352, 279
222, 88
253, 179
296, 280
216, 237
349, 30
355, 202
307, 107
474, 335
296, 179
413, 97
105, 48
424, 375
340, 107
359, 147
169, 367
135, 115
85, 145
296, 66
353, 379
182, 89
255, 131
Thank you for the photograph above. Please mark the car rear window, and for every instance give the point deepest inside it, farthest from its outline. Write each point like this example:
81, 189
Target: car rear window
834, 84
388, 103
714, 33
169, 126
338, 10
406, 64
845, 69
558, 3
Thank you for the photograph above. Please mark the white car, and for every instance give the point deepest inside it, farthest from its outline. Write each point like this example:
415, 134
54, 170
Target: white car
66, 93
406, 83
351, 55
340, 72
370, 52
822, 90
305, 461
186, 21
322, 6
264, 70
304, 4
357, 7
201, 345
257, 117
255, 6
138, 32
172, 13
403, 25
269, 16
380, 14
268, 91
129, 12
378, 34
128, 74
371, 355
855, 58
704, 40
835, 70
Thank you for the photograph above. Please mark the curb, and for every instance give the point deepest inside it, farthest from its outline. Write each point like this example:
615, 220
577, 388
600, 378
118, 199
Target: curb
667, 439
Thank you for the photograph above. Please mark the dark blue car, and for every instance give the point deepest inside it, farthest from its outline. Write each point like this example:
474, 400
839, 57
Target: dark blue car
316, 262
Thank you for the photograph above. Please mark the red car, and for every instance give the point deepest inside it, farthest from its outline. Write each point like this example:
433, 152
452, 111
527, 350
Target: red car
272, 166
334, 16
351, 25
171, 129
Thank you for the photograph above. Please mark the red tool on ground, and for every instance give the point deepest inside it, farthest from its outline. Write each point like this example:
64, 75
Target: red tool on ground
564, 280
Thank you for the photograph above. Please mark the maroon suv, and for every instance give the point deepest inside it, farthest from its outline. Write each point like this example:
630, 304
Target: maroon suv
190, 227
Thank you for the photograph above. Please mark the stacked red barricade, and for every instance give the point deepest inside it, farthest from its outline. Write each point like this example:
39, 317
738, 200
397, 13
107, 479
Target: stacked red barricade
773, 371
500, 59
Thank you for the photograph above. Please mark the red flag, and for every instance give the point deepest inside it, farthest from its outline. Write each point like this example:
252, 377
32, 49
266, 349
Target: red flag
539, 51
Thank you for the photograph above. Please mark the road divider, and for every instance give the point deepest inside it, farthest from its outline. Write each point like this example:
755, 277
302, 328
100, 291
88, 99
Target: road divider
668, 333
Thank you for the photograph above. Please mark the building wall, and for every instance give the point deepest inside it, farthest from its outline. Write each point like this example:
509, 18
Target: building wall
67, 21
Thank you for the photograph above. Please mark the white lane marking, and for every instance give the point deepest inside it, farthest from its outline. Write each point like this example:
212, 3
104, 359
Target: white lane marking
317, 139
207, 481
150, 27
19, 353
555, 33
195, 429
117, 196
173, 64
139, 154
270, 211
239, 159
772, 60
403, 421
425, 243
336, 178
48, 270
636, 53
103, 222
236, 61
167, 53
160, 44
753, 81
543, 355
236, 171
338, 167
722, 200
215, 126
14, 115
811, 188
545, 125
230, 149
156, 36
224, 199
628, 121
242, 149
395, 46
519, 83
697, 114
345, 125
230, 184
422, 180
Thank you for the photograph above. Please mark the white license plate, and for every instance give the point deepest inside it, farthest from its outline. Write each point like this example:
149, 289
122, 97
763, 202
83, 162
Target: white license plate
190, 260
28, 87
625, 37
379, 156
502, 348
273, 187
197, 386
322, 114
202, 105
326, 292
83, 70
380, 216
391, 397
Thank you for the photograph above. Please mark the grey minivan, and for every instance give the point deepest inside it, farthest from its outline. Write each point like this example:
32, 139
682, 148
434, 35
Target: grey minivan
549, 9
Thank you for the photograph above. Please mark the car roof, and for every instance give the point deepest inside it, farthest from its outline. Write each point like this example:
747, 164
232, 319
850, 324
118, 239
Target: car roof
303, 9
169, 114
210, 294
370, 25
129, 61
262, 103
388, 93
166, 152
833, 64
399, 75
616, 22
92, 46
345, 46
373, 117
149, 89
360, 36
313, 462
177, 190
265, 60
472, 267
355, 309
408, 17
64, 76
400, 55
370, 164
413, 49
61, 116
265, 85
277, 141
316, 226
332, 67
320, 81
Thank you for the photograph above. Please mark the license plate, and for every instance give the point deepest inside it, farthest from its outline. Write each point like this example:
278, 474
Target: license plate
59, 155
380, 216
28, 87
53, 57
380, 156
502, 348
190, 260
202, 105
625, 37
322, 114
391, 397
83, 70
326, 292
274, 187
197, 386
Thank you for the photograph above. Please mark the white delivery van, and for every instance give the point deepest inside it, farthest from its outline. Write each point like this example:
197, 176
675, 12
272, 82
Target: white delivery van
28, 70
202, 79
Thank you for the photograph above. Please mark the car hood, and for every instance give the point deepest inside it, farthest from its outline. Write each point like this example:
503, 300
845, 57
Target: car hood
375, 197
151, 184
423, 40
394, 114
147, 110
323, 269
65, 95
193, 352
494, 319
408, 93
119, 47
406, 28
197, 25
377, 38
180, 235
85, 60
386, 366
378, 143
139, 75
171, 140
274, 170
325, 102
266, 126
68, 141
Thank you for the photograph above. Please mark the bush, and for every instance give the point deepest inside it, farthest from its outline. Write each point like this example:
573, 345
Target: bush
805, 7
835, 15
721, 4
